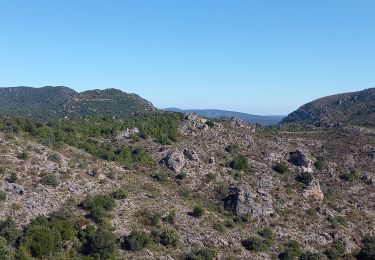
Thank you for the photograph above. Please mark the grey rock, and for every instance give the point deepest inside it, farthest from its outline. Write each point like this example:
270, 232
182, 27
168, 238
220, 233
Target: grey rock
174, 161
12, 187
313, 191
244, 200
127, 133
300, 159
191, 155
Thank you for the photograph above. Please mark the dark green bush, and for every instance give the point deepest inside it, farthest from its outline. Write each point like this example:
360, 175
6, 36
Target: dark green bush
231, 148
349, 176
12, 178
136, 241
210, 177
202, 253
281, 167
161, 176
98, 243
239, 163
210, 124
292, 250
266, 233
319, 163
119, 194
50, 180
54, 157
305, 178
255, 244
368, 249
171, 218
23, 156
3, 195
2, 170
9, 231
99, 207
181, 176
336, 251
198, 211
148, 218
5, 251
169, 237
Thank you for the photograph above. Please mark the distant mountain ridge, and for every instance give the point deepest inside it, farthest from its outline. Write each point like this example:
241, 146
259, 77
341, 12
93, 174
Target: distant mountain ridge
353, 108
216, 113
47, 103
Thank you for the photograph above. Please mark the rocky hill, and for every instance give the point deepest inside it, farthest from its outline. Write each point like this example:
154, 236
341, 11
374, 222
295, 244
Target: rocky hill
58, 102
216, 113
355, 108
164, 186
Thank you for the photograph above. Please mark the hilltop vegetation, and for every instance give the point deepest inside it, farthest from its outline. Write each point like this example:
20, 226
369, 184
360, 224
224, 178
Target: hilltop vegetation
356, 108
52, 103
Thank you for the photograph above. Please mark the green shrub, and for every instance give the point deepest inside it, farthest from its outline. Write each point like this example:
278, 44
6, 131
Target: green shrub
161, 176
239, 163
305, 178
337, 221
310, 256
210, 124
171, 218
5, 252
266, 233
210, 177
219, 227
336, 251
41, 241
349, 176
50, 180
203, 253
119, 194
181, 176
54, 157
255, 244
3, 195
12, 178
319, 163
368, 249
169, 237
198, 211
136, 241
148, 218
98, 243
65, 228
9, 231
231, 148
2, 170
281, 167
23, 156
291, 251
99, 207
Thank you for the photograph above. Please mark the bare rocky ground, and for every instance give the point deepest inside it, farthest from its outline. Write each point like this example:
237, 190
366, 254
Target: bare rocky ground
331, 206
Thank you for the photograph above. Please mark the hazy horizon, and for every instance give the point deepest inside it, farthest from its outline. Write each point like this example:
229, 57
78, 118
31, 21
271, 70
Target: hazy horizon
257, 57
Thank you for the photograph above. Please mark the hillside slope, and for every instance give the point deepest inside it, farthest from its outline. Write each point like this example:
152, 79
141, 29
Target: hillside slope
354, 108
57, 102
216, 113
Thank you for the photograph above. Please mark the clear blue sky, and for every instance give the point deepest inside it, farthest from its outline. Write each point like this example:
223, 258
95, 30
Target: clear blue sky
262, 57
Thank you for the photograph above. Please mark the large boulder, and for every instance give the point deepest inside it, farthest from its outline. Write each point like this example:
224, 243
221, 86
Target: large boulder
301, 159
127, 133
174, 161
244, 200
12, 187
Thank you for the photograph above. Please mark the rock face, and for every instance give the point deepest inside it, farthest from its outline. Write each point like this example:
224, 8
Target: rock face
12, 187
191, 155
194, 124
301, 159
244, 200
126, 133
313, 191
174, 161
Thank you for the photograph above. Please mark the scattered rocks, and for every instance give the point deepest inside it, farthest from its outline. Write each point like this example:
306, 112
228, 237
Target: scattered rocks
127, 133
174, 161
211, 160
301, 159
244, 200
313, 191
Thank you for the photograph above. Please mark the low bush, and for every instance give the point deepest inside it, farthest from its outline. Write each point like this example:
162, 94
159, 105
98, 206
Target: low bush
305, 178
5, 252
161, 176
136, 241
255, 244
181, 176
99, 207
23, 156
266, 233
311, 256
239, 163
336, 251
368, 248
292, 250
198, 211
169, 237
3, 195
98, 243
148, 218
119, 194
50, 180
281, 168
349, 176
12, 178
202, 253
9, 231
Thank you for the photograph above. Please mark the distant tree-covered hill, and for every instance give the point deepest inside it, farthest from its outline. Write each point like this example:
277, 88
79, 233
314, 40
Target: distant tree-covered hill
354, 108
57, 102
215, 113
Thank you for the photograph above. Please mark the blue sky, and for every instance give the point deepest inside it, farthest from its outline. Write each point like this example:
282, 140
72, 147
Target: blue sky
261, 57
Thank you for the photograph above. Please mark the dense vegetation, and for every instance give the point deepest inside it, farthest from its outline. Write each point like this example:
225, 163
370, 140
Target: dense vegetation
95, 134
